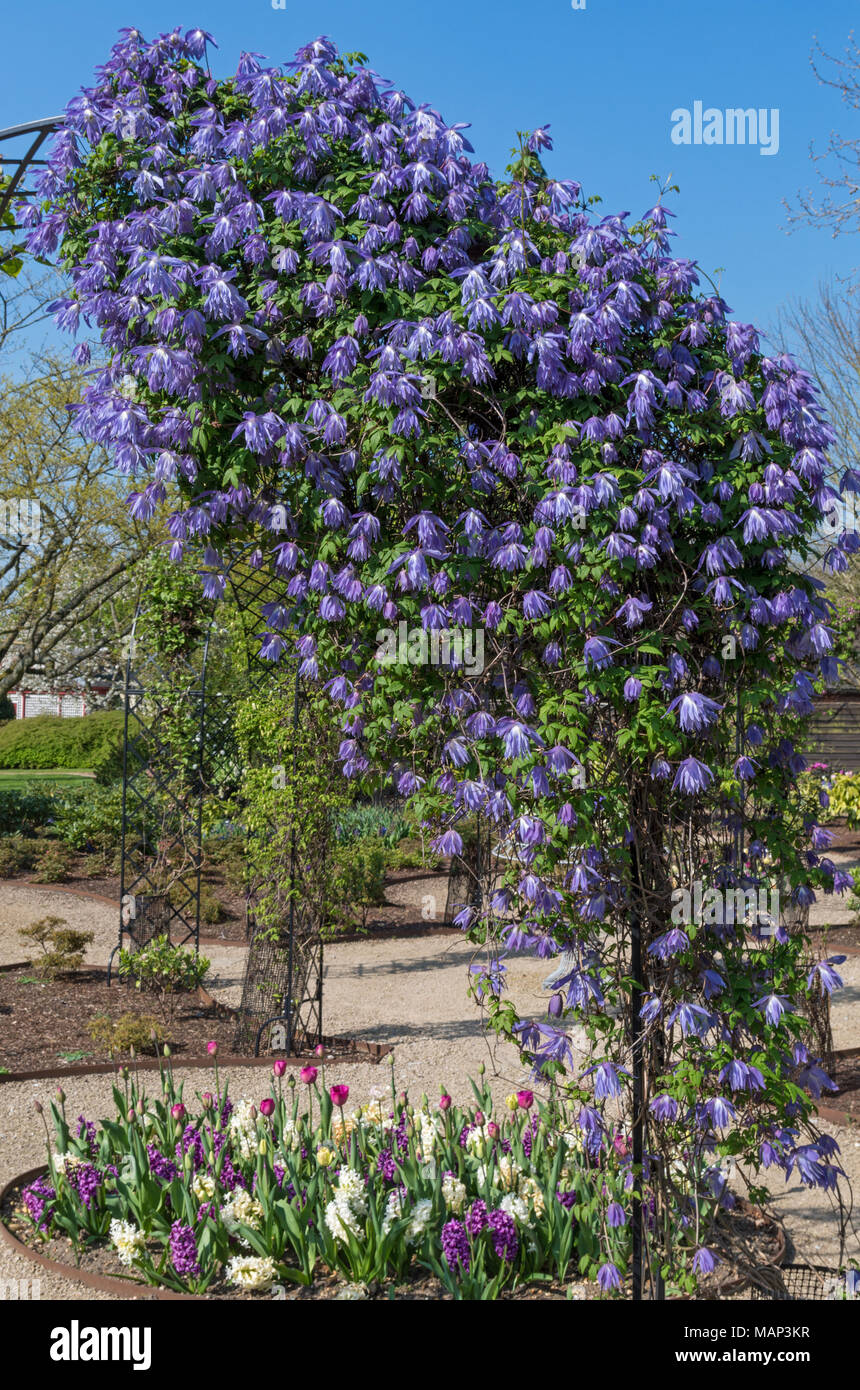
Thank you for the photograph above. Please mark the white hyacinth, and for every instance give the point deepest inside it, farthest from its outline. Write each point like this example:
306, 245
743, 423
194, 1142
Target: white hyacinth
421, 1213
517, 1208
128, 1240
255, 1272
243, 1129
241, 1207
453, 1191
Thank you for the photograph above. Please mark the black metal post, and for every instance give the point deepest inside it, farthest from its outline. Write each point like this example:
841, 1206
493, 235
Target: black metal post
636, 1037
292, 926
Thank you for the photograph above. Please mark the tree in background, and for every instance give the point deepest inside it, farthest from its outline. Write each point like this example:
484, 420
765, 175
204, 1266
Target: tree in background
68, 544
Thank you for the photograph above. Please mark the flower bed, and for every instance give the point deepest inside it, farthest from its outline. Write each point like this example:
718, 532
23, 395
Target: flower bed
232, 1196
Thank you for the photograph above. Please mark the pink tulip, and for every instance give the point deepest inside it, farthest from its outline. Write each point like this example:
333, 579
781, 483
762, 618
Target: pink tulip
267, 1107
338, 1095
493, 1130
525, 1099
212, 1048
319, 1050
479, 1117
279, 1067
308, 1075
444, 1102
177, 1110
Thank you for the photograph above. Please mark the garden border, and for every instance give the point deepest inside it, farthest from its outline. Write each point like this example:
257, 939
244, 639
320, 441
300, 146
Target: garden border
106, 1283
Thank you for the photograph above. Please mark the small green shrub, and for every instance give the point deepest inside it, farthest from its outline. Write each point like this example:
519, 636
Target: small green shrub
7, 708
141, 1033
62, 946
163, 969
53, 863
358, 880
22, 812
18, 855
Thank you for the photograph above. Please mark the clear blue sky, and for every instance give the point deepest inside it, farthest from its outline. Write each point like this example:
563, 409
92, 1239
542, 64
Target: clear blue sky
605, 78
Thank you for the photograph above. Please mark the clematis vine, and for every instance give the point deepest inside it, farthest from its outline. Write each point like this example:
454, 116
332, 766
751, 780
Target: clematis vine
434, 398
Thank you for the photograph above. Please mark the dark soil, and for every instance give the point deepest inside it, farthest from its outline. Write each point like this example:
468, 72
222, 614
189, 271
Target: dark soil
834, 937
41, 1023
847, 1079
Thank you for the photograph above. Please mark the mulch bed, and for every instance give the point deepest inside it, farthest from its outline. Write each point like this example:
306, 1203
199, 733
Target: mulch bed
847, 1078
748, 1241
41, 1024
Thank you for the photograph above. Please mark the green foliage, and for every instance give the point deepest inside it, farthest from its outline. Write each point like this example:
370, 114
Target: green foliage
844, 792
140, 1033
368, 822
92, 742
7, 708
163, 969
53, 863
18, 855
62, 946
90, 823
357, 881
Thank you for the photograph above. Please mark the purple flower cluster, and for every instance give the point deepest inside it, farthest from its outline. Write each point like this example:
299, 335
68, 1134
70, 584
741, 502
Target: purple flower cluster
160, 1166
183, 1249
36, 1198
503, 1229
455, 1246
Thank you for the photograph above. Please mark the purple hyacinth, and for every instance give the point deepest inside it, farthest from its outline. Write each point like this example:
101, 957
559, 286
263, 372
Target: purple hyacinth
504, 1235
36, 1198
455, 1245
477, 1218
160, 1166
386, 1166
183, 1249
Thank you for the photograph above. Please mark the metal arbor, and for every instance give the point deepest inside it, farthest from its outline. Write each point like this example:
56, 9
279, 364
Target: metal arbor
182, 762
19, 146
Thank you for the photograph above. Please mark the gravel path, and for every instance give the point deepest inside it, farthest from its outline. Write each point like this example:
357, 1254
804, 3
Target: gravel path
412, 994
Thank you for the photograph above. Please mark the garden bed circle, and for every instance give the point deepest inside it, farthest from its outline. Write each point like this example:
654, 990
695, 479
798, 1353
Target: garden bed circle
123, 1288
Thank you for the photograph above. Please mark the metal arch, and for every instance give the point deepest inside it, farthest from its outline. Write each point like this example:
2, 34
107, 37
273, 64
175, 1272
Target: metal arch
20, 164
283, 978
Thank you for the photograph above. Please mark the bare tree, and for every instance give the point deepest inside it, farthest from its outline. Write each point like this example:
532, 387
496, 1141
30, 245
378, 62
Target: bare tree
68, 545
837, 205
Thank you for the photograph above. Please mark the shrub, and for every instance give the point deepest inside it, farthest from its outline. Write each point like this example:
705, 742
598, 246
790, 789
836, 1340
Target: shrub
91, 741
138, 1032
18, 854
92, 822
358, 881
163, 969
7, 708
62, 946
23, 811
53, 863
843, 790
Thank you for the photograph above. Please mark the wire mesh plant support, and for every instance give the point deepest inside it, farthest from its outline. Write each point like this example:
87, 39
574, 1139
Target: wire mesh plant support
803, 1284
181, 755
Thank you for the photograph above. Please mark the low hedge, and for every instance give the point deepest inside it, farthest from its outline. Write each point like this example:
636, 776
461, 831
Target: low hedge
91, 742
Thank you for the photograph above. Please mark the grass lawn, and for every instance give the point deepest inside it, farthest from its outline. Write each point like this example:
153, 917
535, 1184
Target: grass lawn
18, 778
